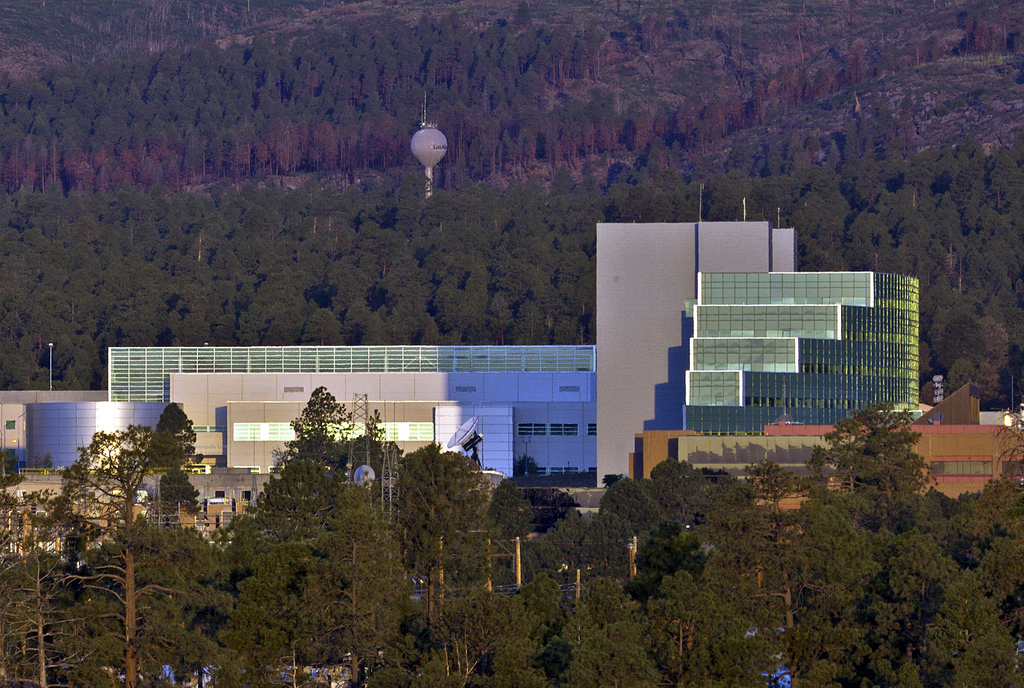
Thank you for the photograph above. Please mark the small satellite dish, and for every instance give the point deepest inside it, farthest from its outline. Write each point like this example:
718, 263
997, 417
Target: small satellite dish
363, 475
468, 439
464, 431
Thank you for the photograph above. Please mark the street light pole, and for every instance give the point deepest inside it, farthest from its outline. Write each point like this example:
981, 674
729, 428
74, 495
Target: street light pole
51, 366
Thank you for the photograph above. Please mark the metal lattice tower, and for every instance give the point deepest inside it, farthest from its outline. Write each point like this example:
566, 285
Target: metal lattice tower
388, 477
389, 462
360, 417
389, 480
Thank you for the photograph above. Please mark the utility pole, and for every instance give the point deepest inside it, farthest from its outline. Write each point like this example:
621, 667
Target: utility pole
519, 566
489, 588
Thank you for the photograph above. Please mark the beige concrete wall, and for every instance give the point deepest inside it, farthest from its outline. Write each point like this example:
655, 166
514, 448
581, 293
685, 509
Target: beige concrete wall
209, 399
733, 247
645, 273
261, 453
200, 394
734, 453
784, 249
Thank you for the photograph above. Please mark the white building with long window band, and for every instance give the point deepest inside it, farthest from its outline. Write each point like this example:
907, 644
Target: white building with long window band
533, 400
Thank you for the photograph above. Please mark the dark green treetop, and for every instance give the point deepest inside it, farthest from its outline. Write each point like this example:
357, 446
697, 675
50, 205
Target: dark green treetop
176, 423
510, 512
178, 491
872, 454
320, 432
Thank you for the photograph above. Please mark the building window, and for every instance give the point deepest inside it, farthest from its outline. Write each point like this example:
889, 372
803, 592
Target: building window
548, 429
564, 429
263, 432
961, 467
408, 432
140, 374
591, 429
533, 429
10, 424
282, 432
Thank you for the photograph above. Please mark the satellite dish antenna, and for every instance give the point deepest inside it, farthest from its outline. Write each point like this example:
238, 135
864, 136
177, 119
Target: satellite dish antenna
428, 145
363, 475
468, 439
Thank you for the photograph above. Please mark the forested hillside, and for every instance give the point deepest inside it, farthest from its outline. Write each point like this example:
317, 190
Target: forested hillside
520, 91
379, 265
145, 183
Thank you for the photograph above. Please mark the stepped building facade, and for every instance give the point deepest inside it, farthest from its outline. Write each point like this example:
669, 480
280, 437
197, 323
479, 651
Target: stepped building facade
806, 348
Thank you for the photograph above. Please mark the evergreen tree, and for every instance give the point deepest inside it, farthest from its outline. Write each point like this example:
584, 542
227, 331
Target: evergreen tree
510, 512
323, 581
872, 454
442, 511
610, 643
681, 492
631, 501
177, 492
174, 422
320, 433
133, 568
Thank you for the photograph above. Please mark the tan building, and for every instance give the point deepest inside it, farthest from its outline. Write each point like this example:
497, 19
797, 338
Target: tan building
963, 453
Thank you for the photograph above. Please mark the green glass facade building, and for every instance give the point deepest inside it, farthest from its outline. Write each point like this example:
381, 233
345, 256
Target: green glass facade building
812, 346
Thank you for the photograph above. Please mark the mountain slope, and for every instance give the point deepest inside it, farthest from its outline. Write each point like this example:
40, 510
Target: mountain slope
609, 82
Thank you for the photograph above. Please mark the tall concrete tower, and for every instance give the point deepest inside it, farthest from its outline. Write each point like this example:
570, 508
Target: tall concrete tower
645, 274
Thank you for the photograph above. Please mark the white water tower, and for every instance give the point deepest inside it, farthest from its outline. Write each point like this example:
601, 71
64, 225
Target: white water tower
429, 145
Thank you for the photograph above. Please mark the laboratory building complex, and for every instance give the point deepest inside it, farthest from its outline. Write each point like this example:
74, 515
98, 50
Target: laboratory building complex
711, 348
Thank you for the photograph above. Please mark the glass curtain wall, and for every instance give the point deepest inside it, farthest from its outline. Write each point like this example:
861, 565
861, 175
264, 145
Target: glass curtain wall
142, 373
811, 347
